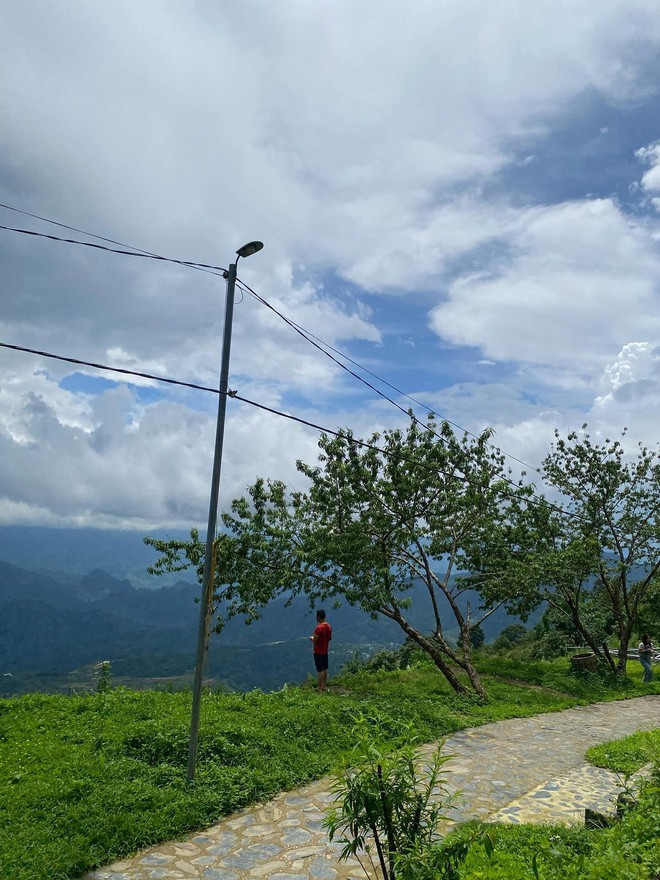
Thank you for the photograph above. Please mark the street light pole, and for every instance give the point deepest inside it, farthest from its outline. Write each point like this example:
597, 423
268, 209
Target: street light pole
208, 576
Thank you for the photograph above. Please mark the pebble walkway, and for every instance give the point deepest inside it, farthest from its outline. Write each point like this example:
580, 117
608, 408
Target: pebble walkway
522, 770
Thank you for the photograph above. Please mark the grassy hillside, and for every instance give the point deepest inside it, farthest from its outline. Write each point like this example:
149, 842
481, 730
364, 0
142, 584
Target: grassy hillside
85, 780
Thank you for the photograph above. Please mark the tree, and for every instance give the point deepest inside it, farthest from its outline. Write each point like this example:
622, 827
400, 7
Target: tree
477, 637
510, 636
383, 524
594, 558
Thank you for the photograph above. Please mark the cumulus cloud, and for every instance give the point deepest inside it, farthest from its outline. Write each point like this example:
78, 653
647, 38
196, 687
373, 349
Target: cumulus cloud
359, 142
650, 155
578, 283
130, 464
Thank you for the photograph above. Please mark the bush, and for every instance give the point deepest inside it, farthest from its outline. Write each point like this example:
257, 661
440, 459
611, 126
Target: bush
389, 805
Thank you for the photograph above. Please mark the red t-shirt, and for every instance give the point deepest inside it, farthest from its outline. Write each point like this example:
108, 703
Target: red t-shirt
323, 633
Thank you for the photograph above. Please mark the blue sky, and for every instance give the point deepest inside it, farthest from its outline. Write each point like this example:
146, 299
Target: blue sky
465, 198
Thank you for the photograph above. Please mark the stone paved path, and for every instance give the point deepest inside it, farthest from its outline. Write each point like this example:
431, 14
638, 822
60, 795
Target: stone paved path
522, 770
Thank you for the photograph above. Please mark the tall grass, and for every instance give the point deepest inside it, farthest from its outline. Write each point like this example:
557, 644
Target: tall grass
86, 780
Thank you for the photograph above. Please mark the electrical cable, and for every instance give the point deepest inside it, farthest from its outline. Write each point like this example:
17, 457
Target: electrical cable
75, 229
409, 396
204, 267
126, 372
408, 412
233, 394
310, 337
135, 251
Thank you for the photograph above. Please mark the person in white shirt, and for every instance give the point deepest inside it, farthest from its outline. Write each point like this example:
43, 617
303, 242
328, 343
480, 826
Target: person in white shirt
645, 655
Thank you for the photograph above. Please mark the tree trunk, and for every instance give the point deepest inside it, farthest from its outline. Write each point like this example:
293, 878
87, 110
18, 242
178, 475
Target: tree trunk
474, 677
433, 653
465, 662
624, 641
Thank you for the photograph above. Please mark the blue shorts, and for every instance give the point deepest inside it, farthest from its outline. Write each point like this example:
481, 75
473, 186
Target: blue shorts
321, 662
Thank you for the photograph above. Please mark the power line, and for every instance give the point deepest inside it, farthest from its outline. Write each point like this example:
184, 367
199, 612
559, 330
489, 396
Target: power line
233, 394
409, 396
382, 394
75, 229
307, 335
135, 251
126, 372
204, 267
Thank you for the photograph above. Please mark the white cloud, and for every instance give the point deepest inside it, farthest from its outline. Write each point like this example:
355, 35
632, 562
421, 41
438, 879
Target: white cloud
579, 282
133, 465
356, 140
650, 155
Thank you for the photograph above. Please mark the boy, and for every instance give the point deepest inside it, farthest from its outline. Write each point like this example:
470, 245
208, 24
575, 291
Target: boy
321, 640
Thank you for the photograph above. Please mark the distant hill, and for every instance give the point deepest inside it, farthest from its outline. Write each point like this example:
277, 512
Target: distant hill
56, 617
79, 551
51, 626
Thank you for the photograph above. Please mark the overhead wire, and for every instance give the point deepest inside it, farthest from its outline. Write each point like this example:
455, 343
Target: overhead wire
408, 412
138, 252
135, 251
123, 370
345, 433
124, 252
430, 410
75, 229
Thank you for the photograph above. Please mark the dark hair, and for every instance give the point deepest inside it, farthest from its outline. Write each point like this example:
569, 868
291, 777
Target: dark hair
321, 613
646, 638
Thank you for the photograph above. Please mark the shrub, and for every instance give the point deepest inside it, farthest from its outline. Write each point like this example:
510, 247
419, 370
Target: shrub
389, 804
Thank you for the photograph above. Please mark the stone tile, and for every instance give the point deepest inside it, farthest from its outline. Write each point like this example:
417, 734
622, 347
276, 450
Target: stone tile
519, 770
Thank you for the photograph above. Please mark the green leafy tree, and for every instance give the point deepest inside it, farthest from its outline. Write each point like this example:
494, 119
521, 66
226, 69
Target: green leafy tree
477, 637
383, 524
510, 636
595, 558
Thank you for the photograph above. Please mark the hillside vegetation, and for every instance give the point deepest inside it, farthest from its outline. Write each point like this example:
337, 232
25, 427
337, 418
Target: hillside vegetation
85, 780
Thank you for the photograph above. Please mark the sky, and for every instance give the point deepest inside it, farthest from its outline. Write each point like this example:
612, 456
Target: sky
462, 197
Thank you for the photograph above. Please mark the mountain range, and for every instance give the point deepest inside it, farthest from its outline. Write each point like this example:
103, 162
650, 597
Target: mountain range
58, 621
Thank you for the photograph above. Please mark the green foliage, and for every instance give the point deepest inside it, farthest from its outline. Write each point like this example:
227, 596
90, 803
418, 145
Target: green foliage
627, 850
406, 655
596, 562
510, 636
521, 852
389, 802
104, 676
556, 674
477, 637
384, 523
85, 780
628, 754
129, 753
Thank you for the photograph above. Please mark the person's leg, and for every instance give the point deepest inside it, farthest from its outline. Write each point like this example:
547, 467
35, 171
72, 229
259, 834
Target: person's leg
648, 672
321, 663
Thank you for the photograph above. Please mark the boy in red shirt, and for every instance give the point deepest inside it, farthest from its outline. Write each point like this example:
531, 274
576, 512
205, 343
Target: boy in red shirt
321, 639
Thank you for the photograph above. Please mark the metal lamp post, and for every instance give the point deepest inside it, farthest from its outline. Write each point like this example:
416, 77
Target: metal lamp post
207, 580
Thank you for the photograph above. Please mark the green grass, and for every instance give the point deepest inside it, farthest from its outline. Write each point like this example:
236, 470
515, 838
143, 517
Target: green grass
628, 754
86, 780
627, 850
518, 847
557, 675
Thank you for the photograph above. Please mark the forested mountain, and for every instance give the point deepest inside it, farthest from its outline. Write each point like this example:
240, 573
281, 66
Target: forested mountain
79, 551
54, 622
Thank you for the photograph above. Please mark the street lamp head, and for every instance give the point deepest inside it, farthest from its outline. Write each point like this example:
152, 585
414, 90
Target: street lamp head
250, 248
